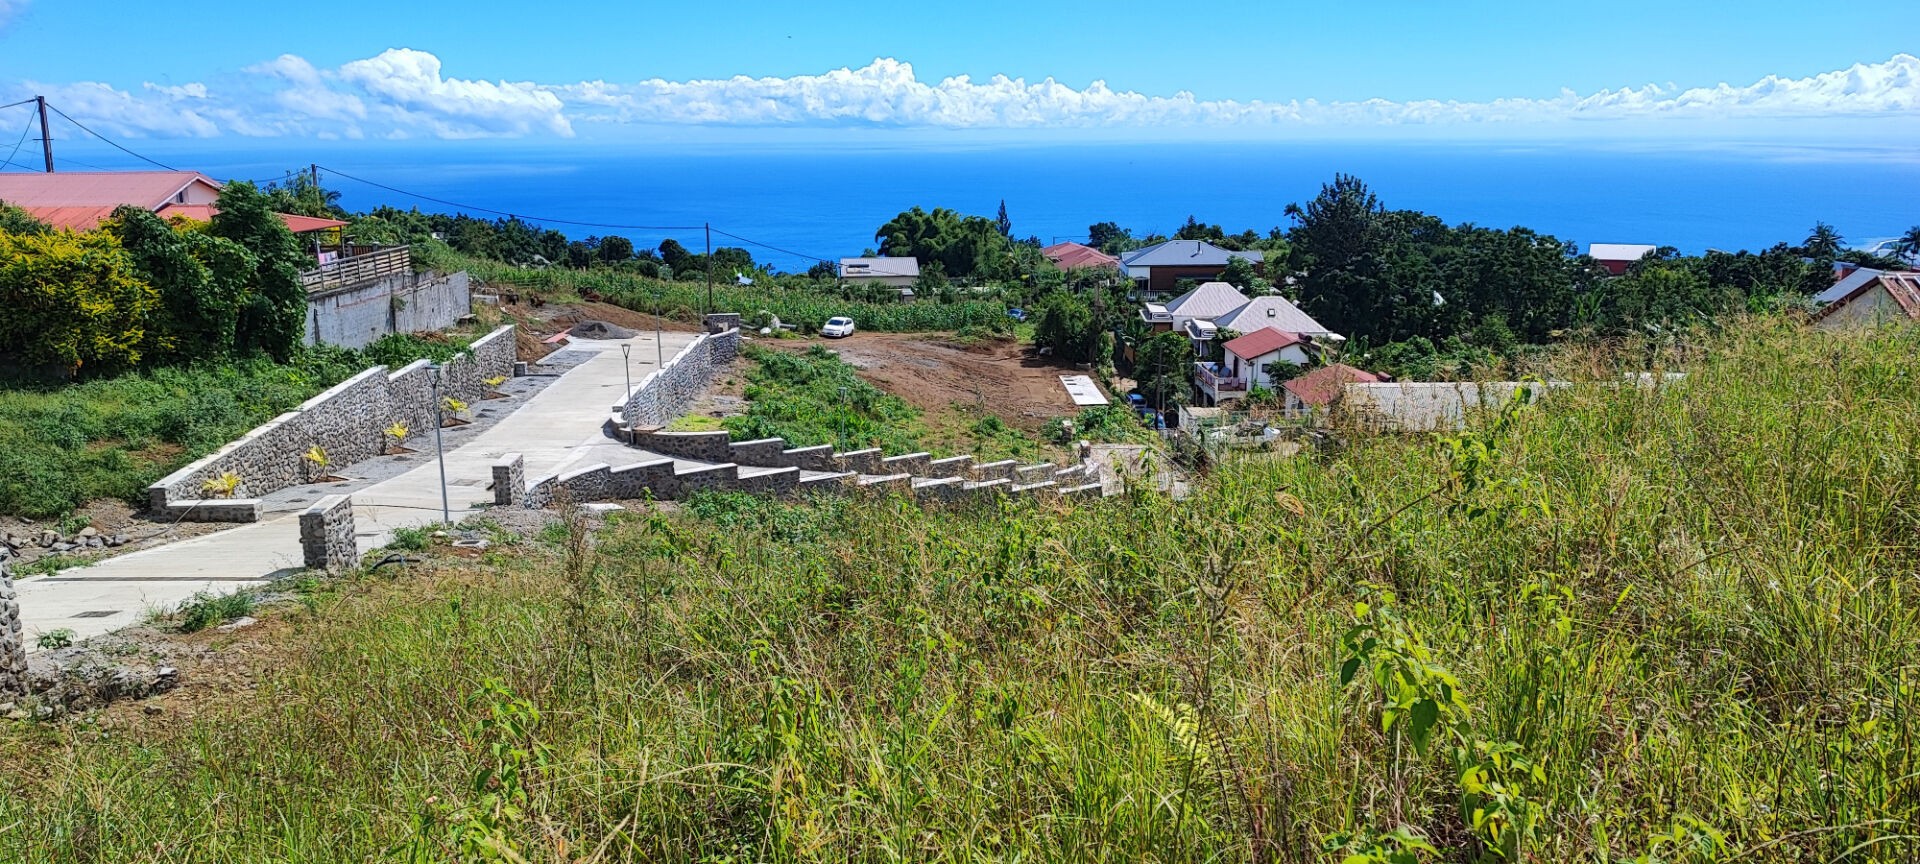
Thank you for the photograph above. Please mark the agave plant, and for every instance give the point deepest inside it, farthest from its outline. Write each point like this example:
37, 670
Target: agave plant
222, 485
396, 433
317, 457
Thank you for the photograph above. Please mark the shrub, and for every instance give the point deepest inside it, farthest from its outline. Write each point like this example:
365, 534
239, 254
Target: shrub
205, 610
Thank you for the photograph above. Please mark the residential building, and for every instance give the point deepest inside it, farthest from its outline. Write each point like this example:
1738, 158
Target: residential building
1846, 278
1245, 364
1203, 313
81, 200
1617, 257
1078, 256
1158, 269
1316, 391
1207, 302
1887, 297
891, 272
1278, 312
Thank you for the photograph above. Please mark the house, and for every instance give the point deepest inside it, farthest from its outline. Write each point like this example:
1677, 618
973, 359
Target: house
1245, 361
81, 200
1157, 269
1420, 406
1887, 297
1617, 257
1316, 391
1216, 306
1078, 256
1845, 280
1278, 312
1207, 302
891, 272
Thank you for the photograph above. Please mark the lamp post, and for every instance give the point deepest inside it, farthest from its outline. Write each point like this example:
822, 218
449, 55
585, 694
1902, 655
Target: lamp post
840, 437
626, 358
439, 448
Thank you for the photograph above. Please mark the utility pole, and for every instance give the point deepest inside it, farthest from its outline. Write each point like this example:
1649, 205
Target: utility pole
709, 228
46, 138
313, 173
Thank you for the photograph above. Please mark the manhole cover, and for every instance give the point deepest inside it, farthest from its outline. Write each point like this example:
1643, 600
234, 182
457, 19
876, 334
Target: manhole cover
99, 613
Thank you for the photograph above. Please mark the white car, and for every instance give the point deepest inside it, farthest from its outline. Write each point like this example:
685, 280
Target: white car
837, 326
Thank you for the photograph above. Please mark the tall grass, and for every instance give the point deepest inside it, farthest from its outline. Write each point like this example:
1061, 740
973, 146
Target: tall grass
1622, 622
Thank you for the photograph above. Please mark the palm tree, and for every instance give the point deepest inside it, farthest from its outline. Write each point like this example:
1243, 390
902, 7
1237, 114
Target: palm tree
1824, 242
1908, 246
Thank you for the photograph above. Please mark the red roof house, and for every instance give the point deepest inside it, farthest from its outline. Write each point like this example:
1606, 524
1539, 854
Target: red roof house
1318, 389
81, 200
1077, 256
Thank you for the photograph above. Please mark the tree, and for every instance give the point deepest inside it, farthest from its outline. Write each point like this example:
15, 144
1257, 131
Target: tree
1908, 246
964, 245
1066, 325
1160, 370
1823, 245
673, 254
1109, 238
1240, 273
1001, 223
273, 315
72, 301
614, 249
300, 195
200, 281
14, 220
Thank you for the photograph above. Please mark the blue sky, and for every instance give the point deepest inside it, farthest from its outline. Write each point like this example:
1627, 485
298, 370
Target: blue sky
222, 69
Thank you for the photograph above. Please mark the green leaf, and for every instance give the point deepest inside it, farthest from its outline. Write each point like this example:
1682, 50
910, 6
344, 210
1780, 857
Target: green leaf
1421, 720
1348, 669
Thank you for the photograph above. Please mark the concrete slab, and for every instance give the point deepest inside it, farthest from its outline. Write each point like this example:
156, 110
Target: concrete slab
1082, 389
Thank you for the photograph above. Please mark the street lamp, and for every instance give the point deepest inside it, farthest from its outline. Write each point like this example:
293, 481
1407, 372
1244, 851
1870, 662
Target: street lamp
626, 357
840, 437
439, 448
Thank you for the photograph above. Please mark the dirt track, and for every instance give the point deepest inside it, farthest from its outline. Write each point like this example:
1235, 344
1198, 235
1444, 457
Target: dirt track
993, 377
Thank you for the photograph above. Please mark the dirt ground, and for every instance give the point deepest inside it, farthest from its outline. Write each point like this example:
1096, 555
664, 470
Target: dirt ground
999, 377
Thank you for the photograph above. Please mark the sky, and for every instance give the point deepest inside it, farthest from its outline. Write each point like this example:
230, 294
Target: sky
233, 71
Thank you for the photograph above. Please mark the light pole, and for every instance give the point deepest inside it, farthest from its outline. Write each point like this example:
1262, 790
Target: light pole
659, 358
439, 449
626, 358
840, 437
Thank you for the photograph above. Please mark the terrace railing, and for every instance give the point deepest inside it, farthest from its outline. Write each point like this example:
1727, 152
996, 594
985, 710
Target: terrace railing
358, 270
1218, 382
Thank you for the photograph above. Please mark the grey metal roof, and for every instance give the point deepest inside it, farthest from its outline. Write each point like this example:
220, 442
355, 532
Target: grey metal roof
1210, 300
1184, 253
1860, 276
1273, 311
854, 268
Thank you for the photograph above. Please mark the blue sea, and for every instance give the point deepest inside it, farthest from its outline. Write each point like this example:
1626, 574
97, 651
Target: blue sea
821, 202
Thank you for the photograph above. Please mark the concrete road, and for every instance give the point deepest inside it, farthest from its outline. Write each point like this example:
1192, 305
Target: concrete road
559, 428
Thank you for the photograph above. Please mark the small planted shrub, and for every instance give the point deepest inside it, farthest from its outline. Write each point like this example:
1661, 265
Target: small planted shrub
493, 386
410, 539
54, 640
317, 464
205, 610
394, 435
454, 407
221, 486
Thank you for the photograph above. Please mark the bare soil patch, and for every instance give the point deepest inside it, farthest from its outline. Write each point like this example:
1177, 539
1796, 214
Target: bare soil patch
537, 323
936, 375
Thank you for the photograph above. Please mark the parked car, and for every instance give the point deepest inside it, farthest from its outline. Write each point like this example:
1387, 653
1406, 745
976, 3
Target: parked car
837, 326
1017, 314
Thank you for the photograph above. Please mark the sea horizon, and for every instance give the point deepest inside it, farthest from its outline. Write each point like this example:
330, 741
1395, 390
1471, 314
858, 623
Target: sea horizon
814, 201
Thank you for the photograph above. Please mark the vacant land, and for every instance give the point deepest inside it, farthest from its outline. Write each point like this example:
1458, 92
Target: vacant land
1620, 624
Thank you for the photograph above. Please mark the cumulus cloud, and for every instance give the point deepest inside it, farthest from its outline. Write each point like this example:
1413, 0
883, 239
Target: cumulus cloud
404, 92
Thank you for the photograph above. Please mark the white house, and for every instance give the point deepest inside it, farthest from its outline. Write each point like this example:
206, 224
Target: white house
1244, 364
1888, 297
891, 272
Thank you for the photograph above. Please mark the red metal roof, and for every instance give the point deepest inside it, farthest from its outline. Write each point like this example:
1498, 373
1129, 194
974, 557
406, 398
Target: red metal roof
1319, 387
109, 189
1261, 342
1070, 256
304, 224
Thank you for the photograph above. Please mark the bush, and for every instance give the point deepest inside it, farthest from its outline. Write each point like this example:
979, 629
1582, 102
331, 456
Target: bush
815, 398
205, 610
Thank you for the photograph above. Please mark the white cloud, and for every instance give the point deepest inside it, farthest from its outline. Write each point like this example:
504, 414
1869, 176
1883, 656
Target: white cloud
403, 93
9, 9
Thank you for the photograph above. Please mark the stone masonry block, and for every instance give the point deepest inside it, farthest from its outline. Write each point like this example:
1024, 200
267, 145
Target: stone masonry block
952, 466
510, 480
327, 539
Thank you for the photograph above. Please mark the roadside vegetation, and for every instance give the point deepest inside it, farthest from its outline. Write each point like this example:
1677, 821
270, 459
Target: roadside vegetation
1618, 624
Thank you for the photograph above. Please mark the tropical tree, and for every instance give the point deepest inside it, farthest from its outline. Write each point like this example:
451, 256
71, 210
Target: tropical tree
1160, 370
1003, 224
73, 302
274, 313
1908, 246
201, 281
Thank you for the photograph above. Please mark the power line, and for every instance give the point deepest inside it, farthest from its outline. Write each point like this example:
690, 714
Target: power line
17, 144
110, 142
13, 104
527, 218
774, 248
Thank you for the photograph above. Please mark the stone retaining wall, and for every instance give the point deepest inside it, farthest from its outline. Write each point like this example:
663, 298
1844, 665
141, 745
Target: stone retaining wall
346, 421
716, 447
667, 392
13, 641
327, 540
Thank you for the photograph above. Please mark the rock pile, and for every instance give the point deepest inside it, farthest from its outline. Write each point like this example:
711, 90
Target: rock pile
600, 330
54, 541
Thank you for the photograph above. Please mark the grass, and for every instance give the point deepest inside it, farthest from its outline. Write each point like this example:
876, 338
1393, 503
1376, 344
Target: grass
62, 446
1618, 625
816, 398
210, 610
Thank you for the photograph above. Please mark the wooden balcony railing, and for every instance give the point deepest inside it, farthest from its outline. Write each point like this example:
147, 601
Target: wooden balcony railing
1216, 381
357, 270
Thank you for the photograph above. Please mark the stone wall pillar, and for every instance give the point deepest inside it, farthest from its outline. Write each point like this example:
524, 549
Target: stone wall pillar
13, 642
327, 539
510, 480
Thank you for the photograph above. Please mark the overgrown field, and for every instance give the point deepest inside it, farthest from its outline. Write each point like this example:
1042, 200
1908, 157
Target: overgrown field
1622, 624
805, 307
64, 445
816, 398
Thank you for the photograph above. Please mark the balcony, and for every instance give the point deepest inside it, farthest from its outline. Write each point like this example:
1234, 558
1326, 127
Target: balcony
358, 267
1216, 383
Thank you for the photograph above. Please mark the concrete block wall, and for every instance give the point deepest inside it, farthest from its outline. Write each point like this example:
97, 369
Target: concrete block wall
952, 466
327, 540
357, 316
717, 447
13, 640
346, 421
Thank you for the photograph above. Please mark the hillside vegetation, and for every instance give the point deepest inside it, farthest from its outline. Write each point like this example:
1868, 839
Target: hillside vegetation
1621, 624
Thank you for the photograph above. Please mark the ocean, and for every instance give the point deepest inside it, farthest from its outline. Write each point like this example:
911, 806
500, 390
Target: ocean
815, 202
